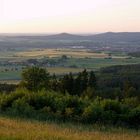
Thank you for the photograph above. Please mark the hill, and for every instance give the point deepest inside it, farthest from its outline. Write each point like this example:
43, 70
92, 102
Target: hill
117, 37
123, 41
108, 36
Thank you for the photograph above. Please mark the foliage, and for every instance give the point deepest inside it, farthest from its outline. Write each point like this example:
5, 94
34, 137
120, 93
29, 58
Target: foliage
35, 78
52, 105
71, 97
76, 85
134, 117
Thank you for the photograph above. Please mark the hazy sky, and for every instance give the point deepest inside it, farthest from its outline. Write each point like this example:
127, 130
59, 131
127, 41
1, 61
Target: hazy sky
78, 16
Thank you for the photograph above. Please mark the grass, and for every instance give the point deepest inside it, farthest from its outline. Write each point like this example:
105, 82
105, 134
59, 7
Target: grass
16, 129
10, 75
16, 75
97, 63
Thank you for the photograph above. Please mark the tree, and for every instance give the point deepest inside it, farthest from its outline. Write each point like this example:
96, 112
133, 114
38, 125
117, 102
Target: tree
68, 83
92, 80
54, 83
64, 57
35, 78
128, 89
81, 82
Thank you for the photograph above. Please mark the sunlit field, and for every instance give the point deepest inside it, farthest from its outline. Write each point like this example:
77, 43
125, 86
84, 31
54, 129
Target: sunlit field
59, 52
31, 130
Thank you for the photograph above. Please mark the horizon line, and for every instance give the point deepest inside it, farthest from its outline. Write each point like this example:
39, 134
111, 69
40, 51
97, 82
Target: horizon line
68, 32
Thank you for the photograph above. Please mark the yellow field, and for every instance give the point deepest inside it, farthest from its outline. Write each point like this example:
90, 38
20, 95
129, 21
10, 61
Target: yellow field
60, 70
25, 130
59, 52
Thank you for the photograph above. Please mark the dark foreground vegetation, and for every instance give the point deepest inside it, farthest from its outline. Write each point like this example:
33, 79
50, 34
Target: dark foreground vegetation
111, 96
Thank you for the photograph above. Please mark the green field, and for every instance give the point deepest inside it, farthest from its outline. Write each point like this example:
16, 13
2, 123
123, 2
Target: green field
10, 75
77, 64
96, 63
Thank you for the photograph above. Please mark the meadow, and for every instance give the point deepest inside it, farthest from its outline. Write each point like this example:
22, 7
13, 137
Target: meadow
17, 129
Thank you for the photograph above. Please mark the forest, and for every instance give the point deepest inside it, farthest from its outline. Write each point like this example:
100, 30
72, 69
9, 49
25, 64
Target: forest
110, 96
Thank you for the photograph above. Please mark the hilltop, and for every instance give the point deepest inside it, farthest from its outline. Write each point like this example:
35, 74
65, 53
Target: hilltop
110, 41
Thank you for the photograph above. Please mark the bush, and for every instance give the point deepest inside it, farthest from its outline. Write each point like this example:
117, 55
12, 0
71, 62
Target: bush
69, 112
51, 105
114, 111
131, 102
93, 113
112, 105
7, 100
134, 117
21, 107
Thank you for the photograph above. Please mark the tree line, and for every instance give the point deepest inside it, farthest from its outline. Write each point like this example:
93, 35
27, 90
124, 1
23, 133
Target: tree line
84, 83
73, 97
36, 78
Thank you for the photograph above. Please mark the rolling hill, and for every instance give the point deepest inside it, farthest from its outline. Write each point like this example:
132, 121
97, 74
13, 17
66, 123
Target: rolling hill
120, 41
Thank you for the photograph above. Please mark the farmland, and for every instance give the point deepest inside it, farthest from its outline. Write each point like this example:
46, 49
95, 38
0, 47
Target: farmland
76, 53
12, 62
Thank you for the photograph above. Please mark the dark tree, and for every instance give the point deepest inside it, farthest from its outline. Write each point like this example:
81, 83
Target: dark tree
64, 57
68, 83
54, 83
92, 80
81, 82
35, 78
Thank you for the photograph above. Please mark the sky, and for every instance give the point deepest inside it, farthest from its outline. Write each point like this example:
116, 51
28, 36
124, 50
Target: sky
73, 16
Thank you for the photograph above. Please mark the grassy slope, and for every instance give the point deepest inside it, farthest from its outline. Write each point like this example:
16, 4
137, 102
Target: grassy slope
25, 130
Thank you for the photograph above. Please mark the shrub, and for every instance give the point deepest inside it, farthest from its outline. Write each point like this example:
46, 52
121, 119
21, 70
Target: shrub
7, 100
112, 105
69, 112
51, 105
134, 117
131, 102
93, 113
114, 111
20, 107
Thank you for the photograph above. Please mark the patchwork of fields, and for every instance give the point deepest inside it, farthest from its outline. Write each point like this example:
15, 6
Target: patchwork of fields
11, 62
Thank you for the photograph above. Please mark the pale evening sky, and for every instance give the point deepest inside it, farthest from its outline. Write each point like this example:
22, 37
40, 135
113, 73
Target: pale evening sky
73, 16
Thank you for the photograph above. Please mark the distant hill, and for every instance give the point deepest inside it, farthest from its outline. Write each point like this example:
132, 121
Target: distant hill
65, 36
110, 41
108, 36
121, 36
